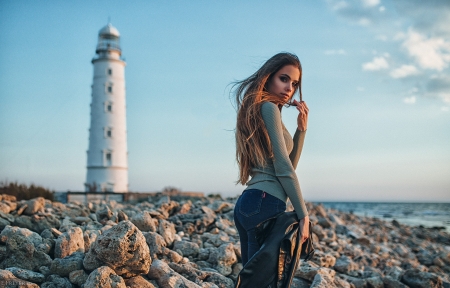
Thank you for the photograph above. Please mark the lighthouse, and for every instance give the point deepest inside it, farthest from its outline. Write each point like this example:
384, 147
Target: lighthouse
107, 155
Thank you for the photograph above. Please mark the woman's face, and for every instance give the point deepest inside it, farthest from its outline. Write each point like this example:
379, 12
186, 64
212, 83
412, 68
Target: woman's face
284, 82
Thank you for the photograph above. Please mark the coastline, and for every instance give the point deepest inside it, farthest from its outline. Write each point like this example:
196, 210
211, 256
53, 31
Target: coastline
159, 242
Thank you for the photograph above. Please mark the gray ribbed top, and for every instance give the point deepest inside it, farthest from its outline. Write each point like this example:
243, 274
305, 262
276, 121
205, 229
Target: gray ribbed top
278, 177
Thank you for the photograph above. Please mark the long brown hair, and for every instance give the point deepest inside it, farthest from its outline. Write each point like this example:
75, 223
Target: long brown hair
253, 145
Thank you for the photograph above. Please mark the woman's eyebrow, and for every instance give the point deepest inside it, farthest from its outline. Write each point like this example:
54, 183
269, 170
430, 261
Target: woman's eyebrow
288, 77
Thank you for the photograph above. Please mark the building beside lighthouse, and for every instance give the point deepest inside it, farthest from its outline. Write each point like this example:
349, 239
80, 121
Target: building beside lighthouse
107, 155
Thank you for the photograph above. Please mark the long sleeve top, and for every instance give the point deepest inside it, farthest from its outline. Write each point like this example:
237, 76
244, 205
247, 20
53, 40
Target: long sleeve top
278, 176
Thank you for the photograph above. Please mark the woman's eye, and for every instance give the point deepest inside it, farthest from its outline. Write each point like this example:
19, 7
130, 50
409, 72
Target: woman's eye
283, 79
295, 84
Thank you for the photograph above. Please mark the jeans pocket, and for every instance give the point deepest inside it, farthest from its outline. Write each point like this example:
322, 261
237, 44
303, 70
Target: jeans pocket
251, 203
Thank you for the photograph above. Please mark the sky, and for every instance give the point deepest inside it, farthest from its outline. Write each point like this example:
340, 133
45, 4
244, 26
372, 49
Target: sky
376, 78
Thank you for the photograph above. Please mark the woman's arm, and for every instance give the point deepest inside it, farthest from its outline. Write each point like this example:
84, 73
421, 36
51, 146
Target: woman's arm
299, 139
299, 136
284, 169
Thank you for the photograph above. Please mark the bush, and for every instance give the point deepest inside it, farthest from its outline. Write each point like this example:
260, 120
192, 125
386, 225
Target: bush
24, 192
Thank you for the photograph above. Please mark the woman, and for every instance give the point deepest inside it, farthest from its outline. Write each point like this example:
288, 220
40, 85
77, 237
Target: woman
265, 151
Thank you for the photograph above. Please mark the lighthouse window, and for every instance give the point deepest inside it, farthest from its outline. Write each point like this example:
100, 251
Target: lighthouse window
109, 89
108, 106
108, 159
109, 71
108, 132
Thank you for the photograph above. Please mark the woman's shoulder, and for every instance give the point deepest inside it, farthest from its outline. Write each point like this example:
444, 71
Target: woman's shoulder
269, 108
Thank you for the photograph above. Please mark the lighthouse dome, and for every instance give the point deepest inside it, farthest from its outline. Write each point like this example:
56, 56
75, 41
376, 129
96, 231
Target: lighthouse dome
109, 30
108, 40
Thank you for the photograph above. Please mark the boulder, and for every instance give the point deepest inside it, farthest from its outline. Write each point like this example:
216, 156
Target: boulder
23, 249
420, 279
34, 205
56, 281
69, 242
104, 277
78, 277
63, 266
138, 282
145, 222
27, 275
123, 248
167, 277
8, 280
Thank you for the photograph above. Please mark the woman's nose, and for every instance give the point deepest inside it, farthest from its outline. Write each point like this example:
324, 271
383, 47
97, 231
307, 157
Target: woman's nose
289, 87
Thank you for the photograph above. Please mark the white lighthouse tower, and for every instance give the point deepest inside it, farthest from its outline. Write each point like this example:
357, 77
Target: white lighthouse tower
107, 157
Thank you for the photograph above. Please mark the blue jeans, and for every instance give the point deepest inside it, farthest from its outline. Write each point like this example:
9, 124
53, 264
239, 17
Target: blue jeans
253, 207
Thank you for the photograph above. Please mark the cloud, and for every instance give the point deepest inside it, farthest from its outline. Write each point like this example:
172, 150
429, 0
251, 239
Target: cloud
370, 3
404, 71
335, 52
445, 108
426, 16
378, 63
429, 53
438, 86
410, 100
364, 13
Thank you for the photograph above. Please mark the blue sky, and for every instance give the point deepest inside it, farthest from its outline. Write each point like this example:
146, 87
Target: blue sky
376, 79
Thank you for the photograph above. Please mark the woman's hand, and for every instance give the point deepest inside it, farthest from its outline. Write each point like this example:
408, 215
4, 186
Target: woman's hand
302, 119
304, 226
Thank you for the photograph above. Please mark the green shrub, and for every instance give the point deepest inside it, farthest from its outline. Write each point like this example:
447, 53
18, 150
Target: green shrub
24, 192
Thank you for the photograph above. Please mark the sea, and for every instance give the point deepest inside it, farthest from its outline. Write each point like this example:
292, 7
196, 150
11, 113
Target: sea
413, 214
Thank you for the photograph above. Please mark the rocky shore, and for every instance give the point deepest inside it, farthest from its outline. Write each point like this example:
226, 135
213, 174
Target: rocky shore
193, 243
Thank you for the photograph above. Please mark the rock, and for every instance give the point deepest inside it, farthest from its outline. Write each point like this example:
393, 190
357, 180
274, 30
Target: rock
78, 277
69, 242
167, 230
45, 222
4, 223
320, 211
223, 258
324, 222
336, 219
8, 280
63, 266
375, 282
34, 205
56, 281
138, 282
219, 280
123, 248
89, 237
300, 283
145, 222
27, 275
324, 278
420, 279
104, 277
23, 249
307, 270
155, 243
389, 282
219, 206
167, 277
5, 208
363, 241
24, 222
122, 216
344, 265
104, 214
186, 248
394, 272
